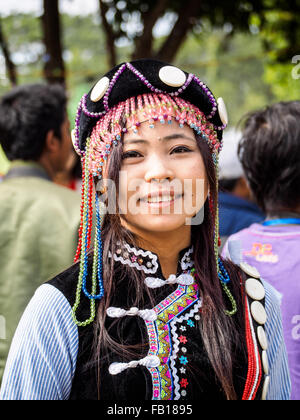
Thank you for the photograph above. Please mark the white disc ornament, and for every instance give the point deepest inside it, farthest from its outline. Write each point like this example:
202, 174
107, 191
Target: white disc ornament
265, 363
99, 89
172, 76
254, 289
222, 111
262, 338
73, 137
258, 312
250, 270
265, 388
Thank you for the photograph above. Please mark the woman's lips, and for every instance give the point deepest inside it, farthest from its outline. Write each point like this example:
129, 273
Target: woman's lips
160, 200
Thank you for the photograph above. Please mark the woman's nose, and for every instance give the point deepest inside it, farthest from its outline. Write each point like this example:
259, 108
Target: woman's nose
157, 169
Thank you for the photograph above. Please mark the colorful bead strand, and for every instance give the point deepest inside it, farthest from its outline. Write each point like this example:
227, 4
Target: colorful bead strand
84, 241
78, 251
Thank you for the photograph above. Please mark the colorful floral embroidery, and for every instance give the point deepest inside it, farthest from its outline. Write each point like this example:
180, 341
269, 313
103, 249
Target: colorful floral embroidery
160, 340
183, 360
179, 350
182, 339
183, 383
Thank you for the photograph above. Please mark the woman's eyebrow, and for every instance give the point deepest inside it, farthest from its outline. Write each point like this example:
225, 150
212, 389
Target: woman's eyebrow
177, 136
135, 141
166, 138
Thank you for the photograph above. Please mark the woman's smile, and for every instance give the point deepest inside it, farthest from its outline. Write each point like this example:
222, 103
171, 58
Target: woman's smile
160, 199
165, 183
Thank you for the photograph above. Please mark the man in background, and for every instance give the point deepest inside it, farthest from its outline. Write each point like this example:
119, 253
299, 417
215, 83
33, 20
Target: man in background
39, 219
269, 151
237, 207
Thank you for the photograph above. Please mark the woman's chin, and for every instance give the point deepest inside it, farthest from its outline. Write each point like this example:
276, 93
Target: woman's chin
158, 223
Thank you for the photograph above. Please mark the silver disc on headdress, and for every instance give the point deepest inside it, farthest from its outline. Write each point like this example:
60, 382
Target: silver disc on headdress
100, 89
172, 76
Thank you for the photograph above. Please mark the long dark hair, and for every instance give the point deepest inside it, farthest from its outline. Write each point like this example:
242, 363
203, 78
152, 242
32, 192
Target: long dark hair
220, 332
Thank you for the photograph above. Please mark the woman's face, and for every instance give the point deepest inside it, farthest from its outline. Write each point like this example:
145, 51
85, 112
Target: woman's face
163, 181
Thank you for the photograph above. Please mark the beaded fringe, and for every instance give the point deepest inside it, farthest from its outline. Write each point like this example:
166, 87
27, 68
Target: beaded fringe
84, 245
151, 108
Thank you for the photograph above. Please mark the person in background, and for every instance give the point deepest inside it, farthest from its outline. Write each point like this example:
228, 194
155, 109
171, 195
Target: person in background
71, 175
39, 219
237, 207
269, 152
4, 163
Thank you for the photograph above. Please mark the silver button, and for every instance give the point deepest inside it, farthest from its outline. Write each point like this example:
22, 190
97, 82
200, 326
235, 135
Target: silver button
255, 289
265, 363
258, 312
100, 89
250, 270
172, 76
222, 111
265, 388
262, 338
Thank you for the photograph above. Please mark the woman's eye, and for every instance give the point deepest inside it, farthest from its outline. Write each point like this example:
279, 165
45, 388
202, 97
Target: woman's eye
131, 154
181, 149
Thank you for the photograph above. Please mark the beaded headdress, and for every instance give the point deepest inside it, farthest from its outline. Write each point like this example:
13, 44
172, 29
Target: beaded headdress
131, 93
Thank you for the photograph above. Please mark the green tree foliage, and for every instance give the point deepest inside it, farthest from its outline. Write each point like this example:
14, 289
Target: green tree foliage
135, 20
279, 31
232, 62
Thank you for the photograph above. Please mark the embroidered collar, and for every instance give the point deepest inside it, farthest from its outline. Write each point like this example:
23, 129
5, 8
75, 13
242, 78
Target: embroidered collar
148, 261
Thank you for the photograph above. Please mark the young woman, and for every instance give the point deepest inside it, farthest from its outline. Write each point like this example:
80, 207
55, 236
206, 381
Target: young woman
152, 311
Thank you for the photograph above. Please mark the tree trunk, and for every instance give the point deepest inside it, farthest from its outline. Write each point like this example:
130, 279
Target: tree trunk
109, 35
144, 44
10, 66
184, 23
54, 69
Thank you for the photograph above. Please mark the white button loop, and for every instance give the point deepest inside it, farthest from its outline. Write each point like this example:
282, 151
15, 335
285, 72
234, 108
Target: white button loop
184, 279
146, 314
148, 361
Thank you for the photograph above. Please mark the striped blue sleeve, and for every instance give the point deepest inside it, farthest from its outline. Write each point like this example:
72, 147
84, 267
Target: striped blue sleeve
42, 359
280, 383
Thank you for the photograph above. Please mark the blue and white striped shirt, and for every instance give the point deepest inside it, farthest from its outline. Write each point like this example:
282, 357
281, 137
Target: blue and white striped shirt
42, 359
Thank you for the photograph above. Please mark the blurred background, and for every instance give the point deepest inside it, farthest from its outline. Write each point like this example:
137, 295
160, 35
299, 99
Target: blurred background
248, 52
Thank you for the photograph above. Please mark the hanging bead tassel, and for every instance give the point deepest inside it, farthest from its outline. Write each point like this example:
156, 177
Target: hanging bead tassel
78, 251
224, 279
222, 273
84, 241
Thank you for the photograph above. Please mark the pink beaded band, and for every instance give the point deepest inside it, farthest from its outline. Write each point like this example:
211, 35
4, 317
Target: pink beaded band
82, 107
151, 108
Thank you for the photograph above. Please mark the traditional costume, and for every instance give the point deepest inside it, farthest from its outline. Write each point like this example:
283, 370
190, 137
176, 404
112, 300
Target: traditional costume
172, 362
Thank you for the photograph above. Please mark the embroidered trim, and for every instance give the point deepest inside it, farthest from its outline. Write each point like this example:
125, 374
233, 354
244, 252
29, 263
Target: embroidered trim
177, 342
186, 260
133, 260
160, 340
149, 263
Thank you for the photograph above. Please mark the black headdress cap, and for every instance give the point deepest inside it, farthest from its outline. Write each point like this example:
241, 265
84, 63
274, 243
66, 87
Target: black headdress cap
139, 77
